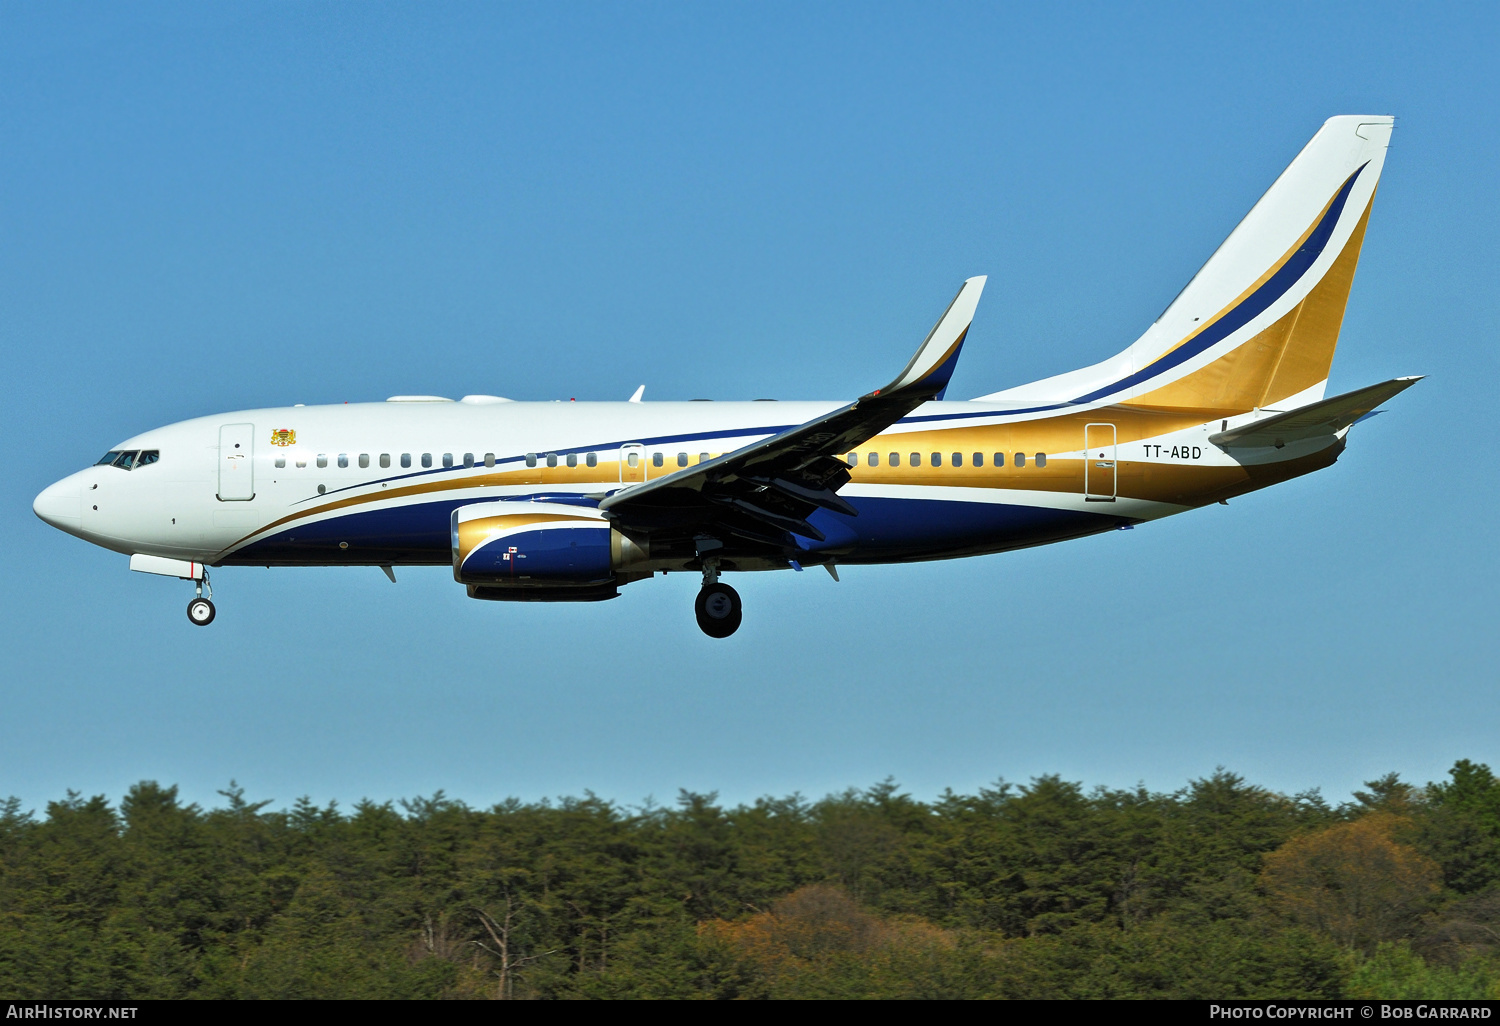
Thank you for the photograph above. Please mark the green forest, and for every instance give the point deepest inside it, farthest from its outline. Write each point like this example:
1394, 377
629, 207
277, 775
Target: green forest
1044, 890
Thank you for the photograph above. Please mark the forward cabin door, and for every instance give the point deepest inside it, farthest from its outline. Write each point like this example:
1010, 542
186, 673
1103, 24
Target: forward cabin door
1099, 471
236, 462
632, 463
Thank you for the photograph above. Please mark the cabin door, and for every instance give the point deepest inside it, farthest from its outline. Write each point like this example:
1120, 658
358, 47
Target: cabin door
1099, 471
236, 462
632, 463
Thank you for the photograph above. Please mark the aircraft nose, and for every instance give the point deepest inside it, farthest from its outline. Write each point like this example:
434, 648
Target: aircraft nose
61, 504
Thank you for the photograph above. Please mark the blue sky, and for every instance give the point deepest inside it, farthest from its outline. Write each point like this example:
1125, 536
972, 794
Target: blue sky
205, 209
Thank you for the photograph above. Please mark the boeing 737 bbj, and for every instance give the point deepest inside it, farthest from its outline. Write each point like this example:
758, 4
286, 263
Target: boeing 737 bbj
567, 502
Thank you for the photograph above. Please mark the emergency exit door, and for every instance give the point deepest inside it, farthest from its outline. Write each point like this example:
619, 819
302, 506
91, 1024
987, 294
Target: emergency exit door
632, 463
1100, 475
236, 462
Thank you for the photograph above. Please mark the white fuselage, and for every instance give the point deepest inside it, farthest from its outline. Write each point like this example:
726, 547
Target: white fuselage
376, 483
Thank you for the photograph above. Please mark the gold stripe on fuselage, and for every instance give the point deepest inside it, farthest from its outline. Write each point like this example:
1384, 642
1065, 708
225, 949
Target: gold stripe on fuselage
1178, 483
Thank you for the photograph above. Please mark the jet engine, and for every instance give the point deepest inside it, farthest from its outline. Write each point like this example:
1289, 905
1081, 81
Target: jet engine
542, 552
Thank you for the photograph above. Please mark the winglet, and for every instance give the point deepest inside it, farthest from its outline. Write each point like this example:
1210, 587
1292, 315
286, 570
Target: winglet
636, 396
932, 366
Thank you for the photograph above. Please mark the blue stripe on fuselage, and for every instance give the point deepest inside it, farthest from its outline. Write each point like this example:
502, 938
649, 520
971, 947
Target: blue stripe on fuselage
896, 529
397, 535
886, 530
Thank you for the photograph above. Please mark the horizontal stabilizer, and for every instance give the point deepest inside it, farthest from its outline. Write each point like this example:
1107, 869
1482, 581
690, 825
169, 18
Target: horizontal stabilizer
1318, 420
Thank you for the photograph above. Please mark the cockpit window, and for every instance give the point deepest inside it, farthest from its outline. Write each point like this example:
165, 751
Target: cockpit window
125, 459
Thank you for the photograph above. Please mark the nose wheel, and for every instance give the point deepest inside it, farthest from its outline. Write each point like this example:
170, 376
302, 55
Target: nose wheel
201, 610
719, 610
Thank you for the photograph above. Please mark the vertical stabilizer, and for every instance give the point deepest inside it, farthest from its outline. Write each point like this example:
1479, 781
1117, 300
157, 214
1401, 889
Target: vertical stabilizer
1257, 325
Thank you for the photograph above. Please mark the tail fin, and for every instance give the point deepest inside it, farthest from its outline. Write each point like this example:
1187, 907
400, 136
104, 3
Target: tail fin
1257, 326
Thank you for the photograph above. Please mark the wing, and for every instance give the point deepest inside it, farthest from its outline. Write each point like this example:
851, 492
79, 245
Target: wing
767, 490
1316, 420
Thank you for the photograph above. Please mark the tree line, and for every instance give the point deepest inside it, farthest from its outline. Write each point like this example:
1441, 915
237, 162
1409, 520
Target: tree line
1218, 890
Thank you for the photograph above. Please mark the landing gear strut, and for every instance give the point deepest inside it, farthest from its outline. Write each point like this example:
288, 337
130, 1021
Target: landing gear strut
718, 607
201, 610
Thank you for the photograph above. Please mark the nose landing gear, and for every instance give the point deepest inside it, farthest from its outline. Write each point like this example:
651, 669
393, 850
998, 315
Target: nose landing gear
201, 610
718, 606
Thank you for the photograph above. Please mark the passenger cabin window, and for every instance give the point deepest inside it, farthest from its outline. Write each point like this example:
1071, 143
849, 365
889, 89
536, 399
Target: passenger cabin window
385, 460
682, 459
895, 459
447, 459
406, 461
874, 459
468, 459
427, 459
958, 459
852, 459
592, 459
1020, 459
1041, 459
280, 462
552, 459
364, 460
999, 459
703, 457
531, 459
633, 459
937, 459
658, 459
301, 464
322, 460
489, 459
572, 459
343, 460
916, 459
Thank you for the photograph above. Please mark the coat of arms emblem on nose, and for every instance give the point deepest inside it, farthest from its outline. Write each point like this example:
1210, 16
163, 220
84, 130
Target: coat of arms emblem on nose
283, 436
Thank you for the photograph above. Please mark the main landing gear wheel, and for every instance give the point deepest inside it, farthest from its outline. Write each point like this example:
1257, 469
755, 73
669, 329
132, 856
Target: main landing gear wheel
719, 610
201, 612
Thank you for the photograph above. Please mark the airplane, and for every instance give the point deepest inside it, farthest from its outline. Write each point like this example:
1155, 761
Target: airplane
569, 502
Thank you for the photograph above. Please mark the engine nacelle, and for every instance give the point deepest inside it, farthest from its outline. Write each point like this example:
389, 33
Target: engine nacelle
528, 545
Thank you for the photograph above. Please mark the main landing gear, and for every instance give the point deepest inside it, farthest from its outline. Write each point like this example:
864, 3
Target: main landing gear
201, 610
718, 607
